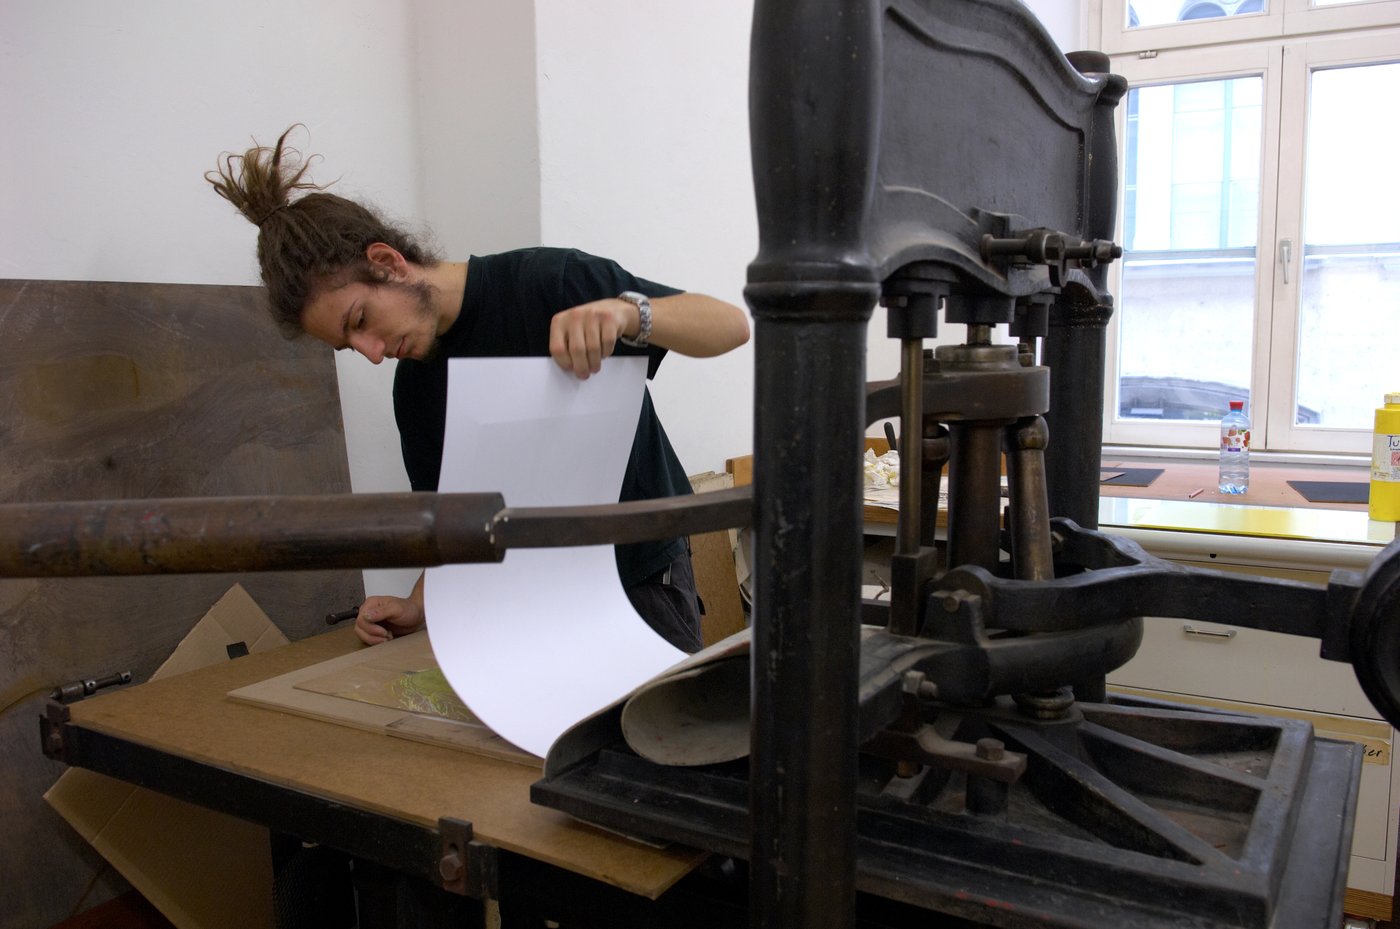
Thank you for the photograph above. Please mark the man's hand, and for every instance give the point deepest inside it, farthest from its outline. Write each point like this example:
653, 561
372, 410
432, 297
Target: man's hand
384, 618
581, 337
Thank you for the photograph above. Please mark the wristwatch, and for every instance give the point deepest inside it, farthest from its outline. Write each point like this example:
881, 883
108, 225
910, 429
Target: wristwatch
643, 305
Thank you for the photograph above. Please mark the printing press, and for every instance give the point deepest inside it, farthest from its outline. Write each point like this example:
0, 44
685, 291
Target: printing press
952, 749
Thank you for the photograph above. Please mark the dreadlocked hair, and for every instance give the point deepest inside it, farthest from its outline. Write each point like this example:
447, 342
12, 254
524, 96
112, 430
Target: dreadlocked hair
313, 242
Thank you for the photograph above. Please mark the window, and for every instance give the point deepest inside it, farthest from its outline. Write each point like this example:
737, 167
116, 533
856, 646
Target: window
1260, 221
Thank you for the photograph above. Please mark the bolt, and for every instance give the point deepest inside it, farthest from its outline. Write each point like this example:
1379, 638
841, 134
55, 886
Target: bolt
953, 599
450, 866
990, 749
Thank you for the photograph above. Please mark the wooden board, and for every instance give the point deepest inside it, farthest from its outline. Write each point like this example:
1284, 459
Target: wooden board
120, 391
381, 689
716, 575
190, 716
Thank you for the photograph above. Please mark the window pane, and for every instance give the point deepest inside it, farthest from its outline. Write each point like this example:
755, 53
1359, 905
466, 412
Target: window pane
1191, 195
1161, 12
1349, 313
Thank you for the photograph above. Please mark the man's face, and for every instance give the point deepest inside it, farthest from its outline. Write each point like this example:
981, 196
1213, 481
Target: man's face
390, 320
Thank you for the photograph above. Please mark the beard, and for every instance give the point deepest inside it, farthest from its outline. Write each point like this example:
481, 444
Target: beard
425, 295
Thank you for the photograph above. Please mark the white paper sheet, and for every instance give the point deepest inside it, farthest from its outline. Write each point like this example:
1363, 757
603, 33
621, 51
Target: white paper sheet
548, 636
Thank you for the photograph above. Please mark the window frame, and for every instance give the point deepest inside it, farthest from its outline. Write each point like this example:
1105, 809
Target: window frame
1301, 58
1285, 64
1181, 67
1109, 32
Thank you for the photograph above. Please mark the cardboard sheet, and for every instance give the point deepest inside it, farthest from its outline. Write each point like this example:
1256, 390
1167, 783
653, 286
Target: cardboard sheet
547, 637
201, 869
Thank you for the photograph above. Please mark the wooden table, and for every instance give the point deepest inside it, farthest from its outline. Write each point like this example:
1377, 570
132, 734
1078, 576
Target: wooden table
375, 797
1197, 482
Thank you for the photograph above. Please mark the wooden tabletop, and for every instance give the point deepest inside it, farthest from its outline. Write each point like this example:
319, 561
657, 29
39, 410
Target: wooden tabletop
188, 715
1199, 482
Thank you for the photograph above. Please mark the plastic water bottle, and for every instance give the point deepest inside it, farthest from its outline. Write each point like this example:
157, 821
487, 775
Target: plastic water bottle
1234, 450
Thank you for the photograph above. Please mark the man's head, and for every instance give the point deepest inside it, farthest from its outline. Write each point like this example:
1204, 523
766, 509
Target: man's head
315, 243
394, 316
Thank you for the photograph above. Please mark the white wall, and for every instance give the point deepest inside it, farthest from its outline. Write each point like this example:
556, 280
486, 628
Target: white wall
113, 112
644, 158
1063, 19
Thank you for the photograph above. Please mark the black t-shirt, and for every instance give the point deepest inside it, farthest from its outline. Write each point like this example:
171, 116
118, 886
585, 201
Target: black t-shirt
506, 312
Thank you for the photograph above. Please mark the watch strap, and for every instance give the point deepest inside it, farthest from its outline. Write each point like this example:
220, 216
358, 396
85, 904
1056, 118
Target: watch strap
643, 304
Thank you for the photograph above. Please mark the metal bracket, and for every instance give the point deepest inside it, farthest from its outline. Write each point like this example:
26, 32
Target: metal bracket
51, 726
1054, 250
466, 866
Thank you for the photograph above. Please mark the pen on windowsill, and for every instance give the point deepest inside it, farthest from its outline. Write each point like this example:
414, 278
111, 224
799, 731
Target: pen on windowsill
1196, 493
342, 616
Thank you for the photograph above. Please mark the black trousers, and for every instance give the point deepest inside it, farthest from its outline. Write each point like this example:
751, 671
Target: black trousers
668, 602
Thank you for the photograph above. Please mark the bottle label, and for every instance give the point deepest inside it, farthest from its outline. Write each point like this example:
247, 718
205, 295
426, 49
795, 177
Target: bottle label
1234, 439
1385, 457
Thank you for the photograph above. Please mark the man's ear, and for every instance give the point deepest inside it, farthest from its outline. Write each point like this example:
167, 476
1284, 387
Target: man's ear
387, 261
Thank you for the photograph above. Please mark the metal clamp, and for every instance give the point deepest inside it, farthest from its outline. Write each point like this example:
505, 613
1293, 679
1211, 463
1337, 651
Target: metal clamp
466, 866
51, 726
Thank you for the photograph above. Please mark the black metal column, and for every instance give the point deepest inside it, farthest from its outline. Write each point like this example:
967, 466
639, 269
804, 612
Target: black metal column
1074, 348
1074, 353
809, 419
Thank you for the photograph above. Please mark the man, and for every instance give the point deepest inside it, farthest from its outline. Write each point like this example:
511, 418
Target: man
335, 270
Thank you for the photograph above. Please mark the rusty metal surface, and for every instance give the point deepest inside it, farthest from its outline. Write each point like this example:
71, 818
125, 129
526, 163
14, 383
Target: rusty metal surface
288, 533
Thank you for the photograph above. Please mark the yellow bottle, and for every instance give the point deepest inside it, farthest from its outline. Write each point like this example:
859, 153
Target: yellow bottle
1385, 462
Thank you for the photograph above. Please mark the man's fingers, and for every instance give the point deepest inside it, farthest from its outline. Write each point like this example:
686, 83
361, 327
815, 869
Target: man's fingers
581, 338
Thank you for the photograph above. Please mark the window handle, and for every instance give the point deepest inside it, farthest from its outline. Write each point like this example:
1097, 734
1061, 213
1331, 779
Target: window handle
1285, 256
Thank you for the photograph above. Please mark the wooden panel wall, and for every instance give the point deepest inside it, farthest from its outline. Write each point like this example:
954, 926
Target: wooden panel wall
118, 390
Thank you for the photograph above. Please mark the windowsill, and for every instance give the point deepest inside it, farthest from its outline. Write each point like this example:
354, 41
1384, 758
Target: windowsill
1271, 509
1148, 453
1184, 500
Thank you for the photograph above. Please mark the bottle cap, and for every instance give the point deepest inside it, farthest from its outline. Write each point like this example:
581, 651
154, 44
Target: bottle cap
1392, 398
1239, 404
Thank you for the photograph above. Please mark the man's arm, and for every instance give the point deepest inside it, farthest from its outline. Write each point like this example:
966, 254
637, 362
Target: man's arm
692, 324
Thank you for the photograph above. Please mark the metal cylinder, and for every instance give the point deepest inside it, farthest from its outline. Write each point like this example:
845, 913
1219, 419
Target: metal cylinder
911, 450
974, 502
1031, 555
1074, 353
285, 533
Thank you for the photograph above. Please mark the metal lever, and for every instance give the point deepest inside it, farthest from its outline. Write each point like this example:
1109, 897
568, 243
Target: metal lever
1285, 256
291, 533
